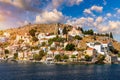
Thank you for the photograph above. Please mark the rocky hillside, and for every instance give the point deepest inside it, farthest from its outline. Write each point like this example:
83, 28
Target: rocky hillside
45, 28
50, 28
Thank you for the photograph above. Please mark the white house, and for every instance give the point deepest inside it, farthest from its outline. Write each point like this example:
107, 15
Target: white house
101, 47
44, 36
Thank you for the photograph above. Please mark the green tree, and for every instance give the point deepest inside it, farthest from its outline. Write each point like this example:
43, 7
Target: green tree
73, 56
15, 56
78, 37
65, 32
119, 55
41, 54
34, 39
36, 57
32, 32
58, 57
89, 32
88, 58
111, 35
56, 39
100, 59
70, 47
6, 51
81, 29
65, 57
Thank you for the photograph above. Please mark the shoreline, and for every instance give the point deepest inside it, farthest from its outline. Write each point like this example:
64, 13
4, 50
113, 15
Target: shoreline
61, 63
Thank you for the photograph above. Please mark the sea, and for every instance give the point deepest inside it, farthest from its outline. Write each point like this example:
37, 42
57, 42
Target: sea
38, 71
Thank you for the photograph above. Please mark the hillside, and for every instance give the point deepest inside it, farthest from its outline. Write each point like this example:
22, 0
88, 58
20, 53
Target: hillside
50, 28
42, 28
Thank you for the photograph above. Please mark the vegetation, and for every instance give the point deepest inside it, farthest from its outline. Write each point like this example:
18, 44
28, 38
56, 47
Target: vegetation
6, 51
34, 39
32, 32
113, 50
88, 58
5, 44
65, 32
73, 56
15, 56
58, 57
100, 59
39, 56
56, 39
81, 29
43, 43
89, 32
78, 37
65, 57
111, 35
70, 47
119, 55
52, 48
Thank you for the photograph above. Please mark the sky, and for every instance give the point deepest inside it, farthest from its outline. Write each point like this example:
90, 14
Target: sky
100, 15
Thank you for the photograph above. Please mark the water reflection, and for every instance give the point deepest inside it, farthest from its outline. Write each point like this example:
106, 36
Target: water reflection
37, 71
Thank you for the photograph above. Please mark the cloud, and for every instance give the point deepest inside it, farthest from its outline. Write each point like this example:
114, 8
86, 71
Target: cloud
74, 2
104, 2
50, 17
88, 11
81, 22
109, 14
99, 19
25, 4
93, 8
118, 11
55, 4
112, 26
96, 8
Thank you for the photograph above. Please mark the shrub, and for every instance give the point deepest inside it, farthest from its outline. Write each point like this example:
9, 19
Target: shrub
88, 58
78, 37
32, 32
58, 57
70, 47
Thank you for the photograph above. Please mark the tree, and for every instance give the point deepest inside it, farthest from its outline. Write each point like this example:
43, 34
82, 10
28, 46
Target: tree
39, 56
65, 32
65, 57
15, 56
34, 38
88, 58
36, 57
32, 32
56, 39
81, 29
100, 59
73, 56
58, 57
78, 37
6, 51
89, 32
70, 47
111, 35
